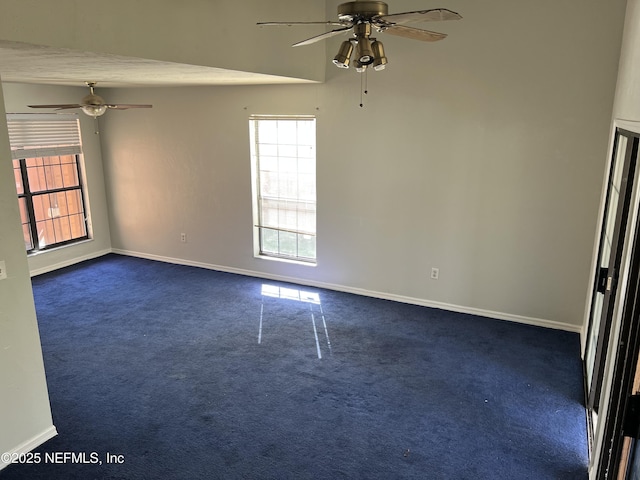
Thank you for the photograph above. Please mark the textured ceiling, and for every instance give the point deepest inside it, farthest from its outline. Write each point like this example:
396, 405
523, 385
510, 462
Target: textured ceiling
25, 63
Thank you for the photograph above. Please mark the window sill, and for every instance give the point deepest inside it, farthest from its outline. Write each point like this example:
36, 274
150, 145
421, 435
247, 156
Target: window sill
61, 247
287, 260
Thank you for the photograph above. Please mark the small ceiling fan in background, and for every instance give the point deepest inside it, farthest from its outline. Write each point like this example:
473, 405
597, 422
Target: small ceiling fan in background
365, 17
92, 104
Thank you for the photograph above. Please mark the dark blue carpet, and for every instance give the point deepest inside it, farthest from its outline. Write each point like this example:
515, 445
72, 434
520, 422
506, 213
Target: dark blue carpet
194, 374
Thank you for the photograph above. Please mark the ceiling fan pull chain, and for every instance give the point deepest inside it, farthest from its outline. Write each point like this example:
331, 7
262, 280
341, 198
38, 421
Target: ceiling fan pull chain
363, 87
366, 81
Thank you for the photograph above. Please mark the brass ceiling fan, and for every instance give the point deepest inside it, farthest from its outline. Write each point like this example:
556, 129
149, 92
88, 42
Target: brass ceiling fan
365, 17
92, 104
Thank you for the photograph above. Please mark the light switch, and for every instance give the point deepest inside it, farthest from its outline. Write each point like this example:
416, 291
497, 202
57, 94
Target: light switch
3, 270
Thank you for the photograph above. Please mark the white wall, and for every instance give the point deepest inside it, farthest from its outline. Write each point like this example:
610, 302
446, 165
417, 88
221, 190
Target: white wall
221, 33
481, 155
25, 415
17, 97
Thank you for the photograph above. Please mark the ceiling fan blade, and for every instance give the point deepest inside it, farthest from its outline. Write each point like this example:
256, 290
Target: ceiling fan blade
433, 15
125, 106
59, 107
288, 24
414, 33
322, 36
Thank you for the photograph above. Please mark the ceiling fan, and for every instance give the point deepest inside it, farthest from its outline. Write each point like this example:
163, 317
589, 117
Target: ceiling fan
92, 104
365, 17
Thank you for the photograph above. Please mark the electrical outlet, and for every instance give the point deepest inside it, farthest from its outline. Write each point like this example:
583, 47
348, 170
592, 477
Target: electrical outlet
3, 270
183, 237
435, 273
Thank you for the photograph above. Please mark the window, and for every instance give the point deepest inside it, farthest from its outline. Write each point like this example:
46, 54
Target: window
283, 151
46, 154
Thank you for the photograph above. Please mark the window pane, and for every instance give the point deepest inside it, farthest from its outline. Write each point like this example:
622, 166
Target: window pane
307, 165
306, 133
17, 174
268, 130
307, 246
287, 152
78, 226
307, 187
269, 184
34, 162
41, 207
36, 177
26, 226
70, 174
269, 240
288, 244
24, 215
46, 233
74, 201
269, 213
307, 218
26, 233
288, 185
62, 229
59, 217
267, 150
50, 173
287, 132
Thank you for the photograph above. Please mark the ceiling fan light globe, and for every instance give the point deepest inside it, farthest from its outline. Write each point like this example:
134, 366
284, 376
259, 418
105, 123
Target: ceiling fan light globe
94, 110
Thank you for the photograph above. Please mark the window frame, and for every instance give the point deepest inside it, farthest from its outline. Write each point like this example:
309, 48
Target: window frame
46, 153
31, 218
260, 224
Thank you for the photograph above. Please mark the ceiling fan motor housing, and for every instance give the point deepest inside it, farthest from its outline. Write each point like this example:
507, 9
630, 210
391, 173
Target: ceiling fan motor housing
356, 11
92, 99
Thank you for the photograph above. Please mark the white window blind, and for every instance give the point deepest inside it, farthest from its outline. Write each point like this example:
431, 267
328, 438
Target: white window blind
43, 134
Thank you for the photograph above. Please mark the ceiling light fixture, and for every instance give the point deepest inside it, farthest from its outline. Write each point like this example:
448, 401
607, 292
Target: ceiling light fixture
380, 61
343, 57
368, 51
364, 53
93, 105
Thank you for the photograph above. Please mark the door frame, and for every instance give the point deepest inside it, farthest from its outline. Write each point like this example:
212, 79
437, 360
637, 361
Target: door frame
603, 452
621, 219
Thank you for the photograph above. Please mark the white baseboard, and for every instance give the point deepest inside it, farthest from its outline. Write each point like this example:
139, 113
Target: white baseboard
30, 444
539, 322
67, 263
